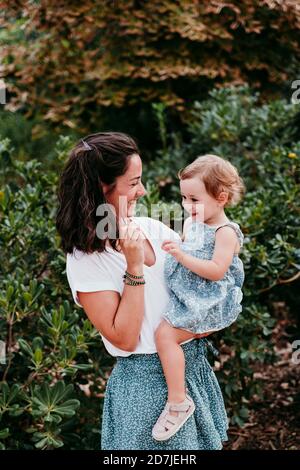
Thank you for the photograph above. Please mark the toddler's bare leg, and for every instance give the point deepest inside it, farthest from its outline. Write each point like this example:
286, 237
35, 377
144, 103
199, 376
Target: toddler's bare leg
168, 341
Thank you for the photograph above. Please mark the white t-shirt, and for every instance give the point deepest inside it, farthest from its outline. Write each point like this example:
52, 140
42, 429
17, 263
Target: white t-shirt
104, 271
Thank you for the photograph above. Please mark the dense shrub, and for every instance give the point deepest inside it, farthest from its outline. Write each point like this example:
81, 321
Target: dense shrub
128, 53
53, 380
53, 354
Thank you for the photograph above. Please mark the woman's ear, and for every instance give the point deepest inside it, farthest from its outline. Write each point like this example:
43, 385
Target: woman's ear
105, 187
222, 198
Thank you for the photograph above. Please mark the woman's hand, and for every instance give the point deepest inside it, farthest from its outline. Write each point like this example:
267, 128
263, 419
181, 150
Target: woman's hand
173, 248
131, 241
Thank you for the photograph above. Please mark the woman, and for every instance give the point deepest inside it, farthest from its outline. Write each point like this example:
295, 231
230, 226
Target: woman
105, 168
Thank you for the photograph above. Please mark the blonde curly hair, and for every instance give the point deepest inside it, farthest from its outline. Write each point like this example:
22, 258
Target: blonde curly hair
218, 175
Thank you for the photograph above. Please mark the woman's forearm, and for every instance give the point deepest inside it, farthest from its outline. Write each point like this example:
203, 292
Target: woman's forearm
129, 316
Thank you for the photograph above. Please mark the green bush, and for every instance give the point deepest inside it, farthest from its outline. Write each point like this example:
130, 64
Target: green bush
53, 352
176, 50
53, 381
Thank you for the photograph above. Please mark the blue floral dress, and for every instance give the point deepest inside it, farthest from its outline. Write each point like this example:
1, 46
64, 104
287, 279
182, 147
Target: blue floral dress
197, 304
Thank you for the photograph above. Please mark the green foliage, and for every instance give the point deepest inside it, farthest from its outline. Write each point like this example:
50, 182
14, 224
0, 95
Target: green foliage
126, 53
32, 139
56, 368
52, 350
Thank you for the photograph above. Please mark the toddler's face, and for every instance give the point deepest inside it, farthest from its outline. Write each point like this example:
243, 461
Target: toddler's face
196, 201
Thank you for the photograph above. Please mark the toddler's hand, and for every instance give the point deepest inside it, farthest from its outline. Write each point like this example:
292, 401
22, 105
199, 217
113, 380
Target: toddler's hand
173, 248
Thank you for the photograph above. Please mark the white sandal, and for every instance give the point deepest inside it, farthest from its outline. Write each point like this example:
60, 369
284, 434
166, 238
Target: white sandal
167, 425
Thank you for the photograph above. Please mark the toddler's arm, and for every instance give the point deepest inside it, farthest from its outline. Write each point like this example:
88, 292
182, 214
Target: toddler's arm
214, 269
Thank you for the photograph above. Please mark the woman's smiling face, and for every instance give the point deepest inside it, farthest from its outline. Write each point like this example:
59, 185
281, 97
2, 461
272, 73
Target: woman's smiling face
127, 190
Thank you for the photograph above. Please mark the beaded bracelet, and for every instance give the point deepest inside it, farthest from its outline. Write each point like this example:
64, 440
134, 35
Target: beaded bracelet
127, 274
130, 282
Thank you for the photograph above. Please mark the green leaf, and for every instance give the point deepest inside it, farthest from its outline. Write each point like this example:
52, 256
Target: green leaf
9, 293
42, 443
4, 433
38, 356
25, 347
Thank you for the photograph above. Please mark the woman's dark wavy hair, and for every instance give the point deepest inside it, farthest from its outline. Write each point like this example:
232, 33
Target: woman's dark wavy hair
100, 157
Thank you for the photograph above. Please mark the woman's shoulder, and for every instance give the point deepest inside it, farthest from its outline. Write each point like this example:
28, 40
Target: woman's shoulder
88, 272
78, 256
80, 260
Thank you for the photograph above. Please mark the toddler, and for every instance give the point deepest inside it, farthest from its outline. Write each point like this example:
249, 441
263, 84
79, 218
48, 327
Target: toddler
204, 274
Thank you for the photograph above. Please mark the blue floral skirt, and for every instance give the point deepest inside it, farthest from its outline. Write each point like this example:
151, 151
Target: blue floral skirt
135, 396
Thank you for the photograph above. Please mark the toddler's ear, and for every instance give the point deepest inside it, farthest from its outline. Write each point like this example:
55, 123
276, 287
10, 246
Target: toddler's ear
222, 198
